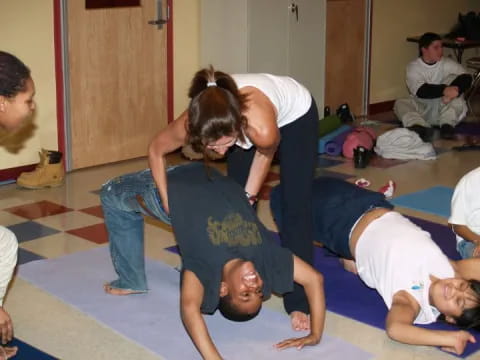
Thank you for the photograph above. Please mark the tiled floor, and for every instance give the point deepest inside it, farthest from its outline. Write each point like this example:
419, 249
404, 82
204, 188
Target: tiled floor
53, 222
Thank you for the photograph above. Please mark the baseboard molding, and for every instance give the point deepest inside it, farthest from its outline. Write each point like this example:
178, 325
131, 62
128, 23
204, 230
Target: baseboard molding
14, 173
380, 107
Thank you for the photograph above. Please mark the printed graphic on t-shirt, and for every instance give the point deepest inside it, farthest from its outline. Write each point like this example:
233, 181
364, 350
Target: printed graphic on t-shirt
233, 230
417, 285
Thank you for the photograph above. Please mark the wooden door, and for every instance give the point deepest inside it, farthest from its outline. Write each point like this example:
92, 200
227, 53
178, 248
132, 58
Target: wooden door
345, 54
117, 82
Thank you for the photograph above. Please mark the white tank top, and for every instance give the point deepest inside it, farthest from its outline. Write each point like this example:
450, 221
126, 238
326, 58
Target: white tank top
290, 98
394, 254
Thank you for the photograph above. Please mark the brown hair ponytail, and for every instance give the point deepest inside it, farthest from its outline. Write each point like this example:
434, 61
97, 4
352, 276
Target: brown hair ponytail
215, 109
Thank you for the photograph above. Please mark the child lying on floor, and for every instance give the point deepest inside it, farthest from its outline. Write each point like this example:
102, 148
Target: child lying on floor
417, 282
229, 260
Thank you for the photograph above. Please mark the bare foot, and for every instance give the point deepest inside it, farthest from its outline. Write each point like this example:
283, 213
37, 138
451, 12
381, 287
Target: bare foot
300, 321
349, 265
114, 291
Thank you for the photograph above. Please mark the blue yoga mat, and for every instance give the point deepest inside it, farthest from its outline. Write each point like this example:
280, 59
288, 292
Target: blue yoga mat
347, 295
322, 142
28, 352
153, 319
435, 200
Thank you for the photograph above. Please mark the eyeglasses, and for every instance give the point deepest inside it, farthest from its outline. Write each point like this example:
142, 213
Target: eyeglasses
222, 146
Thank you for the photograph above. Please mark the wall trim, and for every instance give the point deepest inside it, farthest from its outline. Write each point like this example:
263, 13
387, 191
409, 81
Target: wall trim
170, 84
380, 107
14, 173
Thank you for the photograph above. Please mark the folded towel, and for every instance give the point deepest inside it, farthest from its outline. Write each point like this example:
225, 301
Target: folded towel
404, 144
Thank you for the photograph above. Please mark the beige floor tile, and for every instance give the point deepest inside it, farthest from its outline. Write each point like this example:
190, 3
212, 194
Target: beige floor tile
7, 219
57, 245
69, 220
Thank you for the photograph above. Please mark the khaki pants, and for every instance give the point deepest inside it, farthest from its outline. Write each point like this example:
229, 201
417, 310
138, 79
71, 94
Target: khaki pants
430, 112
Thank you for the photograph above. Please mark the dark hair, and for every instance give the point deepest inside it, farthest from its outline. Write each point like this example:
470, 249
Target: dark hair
232, 313
426, 39
214, 111
470, 318
13, 75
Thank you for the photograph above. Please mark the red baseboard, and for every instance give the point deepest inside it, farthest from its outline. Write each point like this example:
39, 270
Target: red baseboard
380, 107
14, 173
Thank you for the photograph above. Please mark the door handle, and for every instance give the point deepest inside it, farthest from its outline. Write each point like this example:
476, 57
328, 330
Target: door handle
294, 9
159, 21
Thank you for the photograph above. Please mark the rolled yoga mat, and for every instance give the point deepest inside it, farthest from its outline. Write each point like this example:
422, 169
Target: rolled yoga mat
328, 124
335, 146
322, 142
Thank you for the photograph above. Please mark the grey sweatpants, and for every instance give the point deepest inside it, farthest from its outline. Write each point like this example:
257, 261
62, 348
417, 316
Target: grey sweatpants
430, 112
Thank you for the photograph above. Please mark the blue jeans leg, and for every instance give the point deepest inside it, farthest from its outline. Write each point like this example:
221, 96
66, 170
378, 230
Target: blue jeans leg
125, 200
465, 249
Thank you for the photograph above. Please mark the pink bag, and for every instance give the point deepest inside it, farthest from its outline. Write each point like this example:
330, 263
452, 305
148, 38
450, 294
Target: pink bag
360, 136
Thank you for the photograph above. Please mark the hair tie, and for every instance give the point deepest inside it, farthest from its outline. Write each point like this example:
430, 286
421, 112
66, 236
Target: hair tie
211, 83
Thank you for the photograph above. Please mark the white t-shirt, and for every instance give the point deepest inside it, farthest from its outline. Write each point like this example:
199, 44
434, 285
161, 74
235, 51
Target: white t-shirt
442, 72
394, 254
290, 98
8, 259
466, 202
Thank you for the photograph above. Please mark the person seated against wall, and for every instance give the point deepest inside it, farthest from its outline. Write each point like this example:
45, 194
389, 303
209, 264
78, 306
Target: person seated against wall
436, 85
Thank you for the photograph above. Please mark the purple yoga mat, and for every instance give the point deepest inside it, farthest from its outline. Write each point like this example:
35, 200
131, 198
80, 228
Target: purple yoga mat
334, 146
468, 128
347, 295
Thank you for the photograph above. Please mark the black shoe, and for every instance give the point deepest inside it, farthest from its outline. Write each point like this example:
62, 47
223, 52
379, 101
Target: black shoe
447, 132
344, 113
425, 133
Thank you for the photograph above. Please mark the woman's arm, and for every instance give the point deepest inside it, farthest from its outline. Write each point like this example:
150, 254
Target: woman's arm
167, 140
264, 133
399, 326
465, 233
191, 298
312, 282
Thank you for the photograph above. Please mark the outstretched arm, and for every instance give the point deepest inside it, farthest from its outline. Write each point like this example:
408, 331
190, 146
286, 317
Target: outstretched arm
167, 140
312, 282
468, 269
190, 301
399, 325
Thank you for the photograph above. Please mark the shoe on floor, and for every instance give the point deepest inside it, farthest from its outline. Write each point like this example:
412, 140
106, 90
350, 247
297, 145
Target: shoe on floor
447, 132
48, 173
425, 133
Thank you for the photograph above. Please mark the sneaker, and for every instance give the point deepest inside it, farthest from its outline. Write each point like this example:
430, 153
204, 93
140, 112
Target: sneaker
447, 132
425, 133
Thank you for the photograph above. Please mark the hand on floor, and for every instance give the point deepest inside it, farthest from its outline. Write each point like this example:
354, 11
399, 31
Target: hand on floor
7, 352
6, 326
299, 343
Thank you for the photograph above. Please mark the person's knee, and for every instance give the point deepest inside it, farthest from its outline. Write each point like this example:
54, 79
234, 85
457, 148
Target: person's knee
107, 193
8, 242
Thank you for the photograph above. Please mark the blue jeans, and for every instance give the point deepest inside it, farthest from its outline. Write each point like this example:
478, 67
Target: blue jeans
125, 200
465, 249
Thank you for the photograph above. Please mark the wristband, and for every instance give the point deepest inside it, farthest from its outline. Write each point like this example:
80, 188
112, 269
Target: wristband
250, 197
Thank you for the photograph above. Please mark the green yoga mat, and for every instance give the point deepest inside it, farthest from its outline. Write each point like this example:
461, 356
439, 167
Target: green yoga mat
328, 124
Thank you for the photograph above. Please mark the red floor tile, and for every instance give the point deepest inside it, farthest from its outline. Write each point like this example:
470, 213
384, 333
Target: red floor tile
95, 233
94, 210
38, 210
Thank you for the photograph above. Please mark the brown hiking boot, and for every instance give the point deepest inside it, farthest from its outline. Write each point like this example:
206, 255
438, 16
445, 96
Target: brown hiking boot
48, 173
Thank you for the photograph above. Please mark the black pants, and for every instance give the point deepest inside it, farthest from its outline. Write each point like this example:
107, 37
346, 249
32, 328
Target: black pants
297, 153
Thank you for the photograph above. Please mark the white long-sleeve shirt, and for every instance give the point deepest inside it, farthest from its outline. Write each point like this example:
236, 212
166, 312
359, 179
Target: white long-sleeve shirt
8, 259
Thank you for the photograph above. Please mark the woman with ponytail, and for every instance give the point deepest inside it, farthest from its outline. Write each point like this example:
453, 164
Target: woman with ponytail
247, 118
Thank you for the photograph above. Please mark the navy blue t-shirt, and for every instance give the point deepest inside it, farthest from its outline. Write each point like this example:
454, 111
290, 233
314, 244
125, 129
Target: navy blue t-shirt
213, 223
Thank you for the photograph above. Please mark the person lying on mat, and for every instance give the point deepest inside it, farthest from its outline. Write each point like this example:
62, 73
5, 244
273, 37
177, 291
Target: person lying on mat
465, 214
417, 282
229, 261
16, 105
